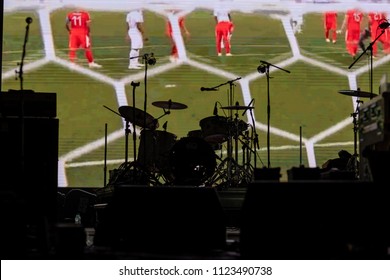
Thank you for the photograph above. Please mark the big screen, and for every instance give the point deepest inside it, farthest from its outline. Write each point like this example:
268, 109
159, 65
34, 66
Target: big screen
280, 87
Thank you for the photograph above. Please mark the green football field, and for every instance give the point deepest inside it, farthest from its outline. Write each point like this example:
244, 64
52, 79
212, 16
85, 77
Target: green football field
306, 99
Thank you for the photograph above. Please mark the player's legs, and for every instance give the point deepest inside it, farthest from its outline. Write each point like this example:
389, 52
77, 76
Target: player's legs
352, 41
225, 36
73, 46
136, 46
334, 35
87, 47
327, 34
218, 38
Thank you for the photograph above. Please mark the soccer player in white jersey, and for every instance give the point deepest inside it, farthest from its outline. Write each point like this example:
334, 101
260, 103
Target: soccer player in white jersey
223, 28
136, 35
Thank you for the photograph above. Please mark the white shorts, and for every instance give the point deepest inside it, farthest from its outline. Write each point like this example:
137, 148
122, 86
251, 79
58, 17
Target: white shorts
136, 39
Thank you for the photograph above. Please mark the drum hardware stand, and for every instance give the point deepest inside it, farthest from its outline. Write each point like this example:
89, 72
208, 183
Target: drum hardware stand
105, 156
147, 59
264, 68
134, 85
353, 163
20, 75
127, 131
355, 126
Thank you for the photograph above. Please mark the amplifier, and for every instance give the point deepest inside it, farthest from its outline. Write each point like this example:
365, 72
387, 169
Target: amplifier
36, 104
372, 121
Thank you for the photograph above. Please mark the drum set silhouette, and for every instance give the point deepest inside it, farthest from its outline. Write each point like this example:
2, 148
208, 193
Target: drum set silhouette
163, 159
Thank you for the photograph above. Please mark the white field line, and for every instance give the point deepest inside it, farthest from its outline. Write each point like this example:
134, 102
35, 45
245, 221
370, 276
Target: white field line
47, 34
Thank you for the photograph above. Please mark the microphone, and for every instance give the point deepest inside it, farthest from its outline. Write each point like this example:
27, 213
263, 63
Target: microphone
165, 125
248, 106
384, 25
135, 84
215, 113
169, 104
208, 89
262, 68
150, 59
29, 20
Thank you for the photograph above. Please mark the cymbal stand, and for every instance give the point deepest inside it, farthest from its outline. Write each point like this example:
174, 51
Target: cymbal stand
22, 113
369, 47
355, 128
229, 158
353, 163
127, 131
134, 85
255, 137
147, 59
264, 68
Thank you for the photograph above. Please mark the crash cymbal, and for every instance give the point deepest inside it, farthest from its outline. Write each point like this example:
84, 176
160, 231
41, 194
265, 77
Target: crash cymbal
137, 117
237, 107
169, 105
357, 93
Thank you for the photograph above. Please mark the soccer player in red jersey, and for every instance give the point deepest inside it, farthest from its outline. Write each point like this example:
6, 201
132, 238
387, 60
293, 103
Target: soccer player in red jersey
374, 20
330, 26
224, 27
169, 32
78, 26
352, 22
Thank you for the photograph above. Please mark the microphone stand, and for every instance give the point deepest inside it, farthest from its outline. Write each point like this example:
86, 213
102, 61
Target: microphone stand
356, 113
134, 85
369, 47
20, 72
229, 141
265, 69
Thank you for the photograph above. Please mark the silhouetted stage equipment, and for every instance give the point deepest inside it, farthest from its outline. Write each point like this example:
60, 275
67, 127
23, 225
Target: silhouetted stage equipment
267, 174
161, 220
28, 170
29, 148
321, 220
358, 93
374, 135
304, 173
36, 104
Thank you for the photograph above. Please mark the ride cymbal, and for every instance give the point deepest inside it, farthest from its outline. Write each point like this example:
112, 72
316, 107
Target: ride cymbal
138, 117
169, 105
357, 93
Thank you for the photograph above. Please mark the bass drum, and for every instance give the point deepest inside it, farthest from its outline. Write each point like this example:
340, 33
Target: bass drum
192, 161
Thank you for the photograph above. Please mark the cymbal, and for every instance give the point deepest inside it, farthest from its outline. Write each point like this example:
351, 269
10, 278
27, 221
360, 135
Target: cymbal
169, 105
137, 117
357, 93
237, 107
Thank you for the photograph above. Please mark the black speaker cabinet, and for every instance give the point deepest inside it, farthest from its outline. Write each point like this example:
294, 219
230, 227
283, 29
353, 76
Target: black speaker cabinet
29, 162
324, 220
163, 220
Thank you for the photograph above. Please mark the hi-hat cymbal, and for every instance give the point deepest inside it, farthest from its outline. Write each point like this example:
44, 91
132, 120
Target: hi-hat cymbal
357, 93
138, 117
237, 107
169, 105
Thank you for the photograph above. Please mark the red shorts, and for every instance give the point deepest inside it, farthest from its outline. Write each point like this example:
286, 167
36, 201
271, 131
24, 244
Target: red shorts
79, 40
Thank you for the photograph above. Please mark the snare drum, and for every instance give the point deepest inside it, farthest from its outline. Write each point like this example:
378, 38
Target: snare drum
215, 129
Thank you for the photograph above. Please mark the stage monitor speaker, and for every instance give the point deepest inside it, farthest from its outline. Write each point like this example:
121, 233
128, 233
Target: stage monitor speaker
325, 220
35, 104
29, 162
163, 220
267, 174
303, 173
